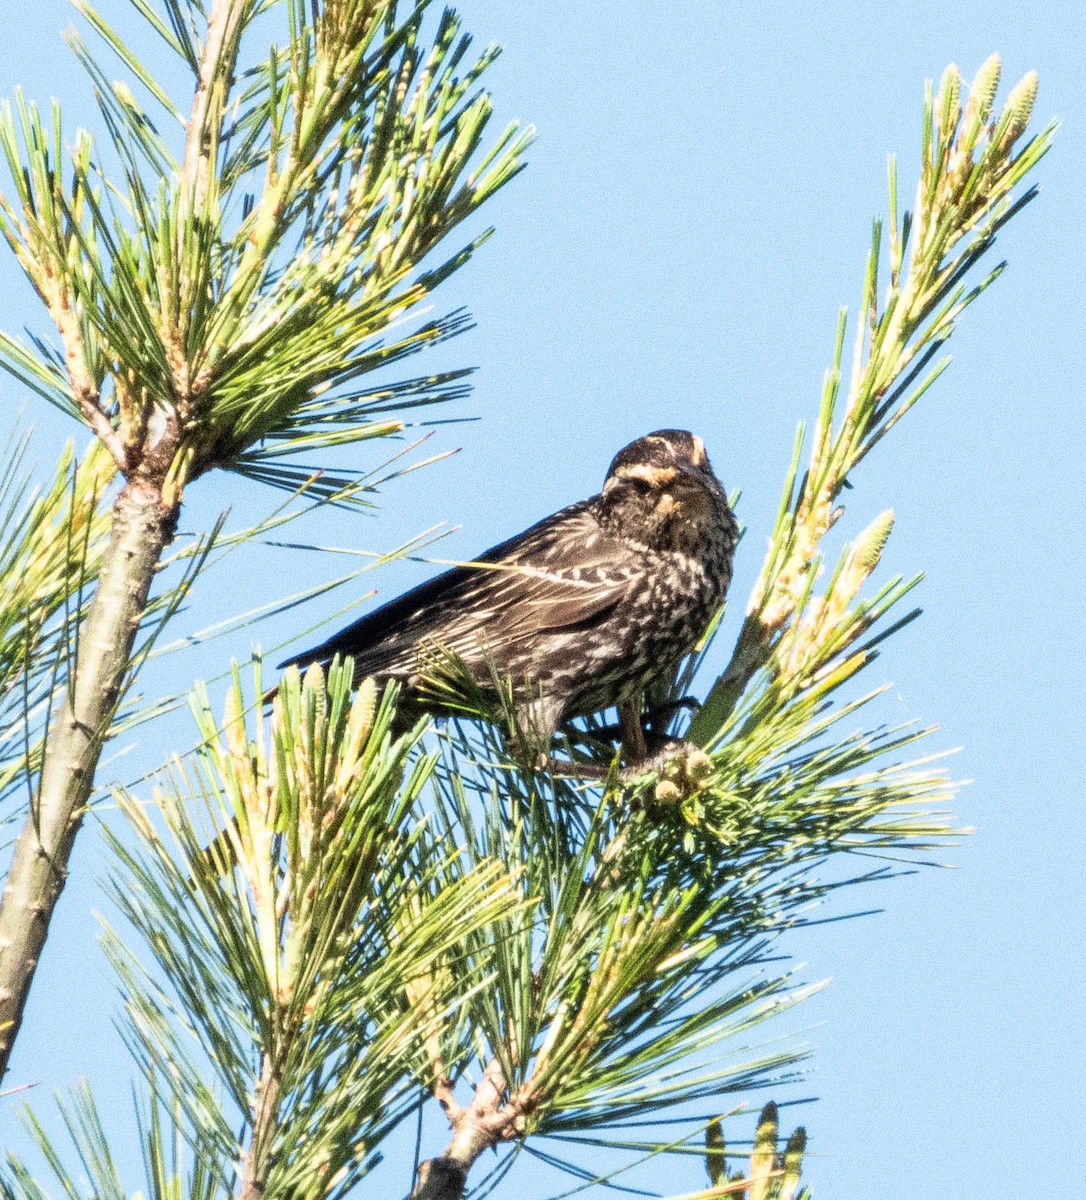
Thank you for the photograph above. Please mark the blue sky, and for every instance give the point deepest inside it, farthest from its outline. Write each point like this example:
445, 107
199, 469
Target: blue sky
696, 209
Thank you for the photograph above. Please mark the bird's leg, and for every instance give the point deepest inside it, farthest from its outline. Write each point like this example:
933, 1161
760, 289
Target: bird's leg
568, 769
634, 750
651, 719
633, 732
635, 740
681, 768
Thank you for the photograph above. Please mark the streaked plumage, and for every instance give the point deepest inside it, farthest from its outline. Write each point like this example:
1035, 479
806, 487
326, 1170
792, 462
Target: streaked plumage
583, 609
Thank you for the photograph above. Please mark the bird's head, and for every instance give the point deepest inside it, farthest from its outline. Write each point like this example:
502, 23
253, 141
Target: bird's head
661, 490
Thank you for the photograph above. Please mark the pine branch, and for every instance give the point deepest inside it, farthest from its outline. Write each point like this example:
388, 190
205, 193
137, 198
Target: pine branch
189, 342
969, 174
52, 544
593, 956
289, 943
142, 527
676, 883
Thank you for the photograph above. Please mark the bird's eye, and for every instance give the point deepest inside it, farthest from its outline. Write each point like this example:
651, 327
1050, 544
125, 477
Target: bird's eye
640, 484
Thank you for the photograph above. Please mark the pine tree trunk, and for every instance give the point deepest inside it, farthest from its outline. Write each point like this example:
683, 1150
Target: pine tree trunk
142, 527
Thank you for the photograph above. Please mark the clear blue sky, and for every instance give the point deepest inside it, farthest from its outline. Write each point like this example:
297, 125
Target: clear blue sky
696, 210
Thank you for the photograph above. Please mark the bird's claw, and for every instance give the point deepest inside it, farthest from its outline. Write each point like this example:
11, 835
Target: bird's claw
680, 768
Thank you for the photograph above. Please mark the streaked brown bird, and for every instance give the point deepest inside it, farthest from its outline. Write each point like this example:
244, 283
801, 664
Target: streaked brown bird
582, 610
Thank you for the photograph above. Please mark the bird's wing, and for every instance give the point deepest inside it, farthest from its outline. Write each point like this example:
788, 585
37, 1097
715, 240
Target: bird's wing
557, 575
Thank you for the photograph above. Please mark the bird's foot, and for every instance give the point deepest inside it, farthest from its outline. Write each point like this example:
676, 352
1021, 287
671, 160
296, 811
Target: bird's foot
568, 768
680, 768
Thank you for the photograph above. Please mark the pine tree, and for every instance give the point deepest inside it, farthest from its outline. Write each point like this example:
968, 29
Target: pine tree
218, 303
400, 918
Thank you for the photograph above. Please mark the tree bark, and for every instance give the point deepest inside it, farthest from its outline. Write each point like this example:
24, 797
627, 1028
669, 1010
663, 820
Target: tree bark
258, 1161
142, 527
492, 1117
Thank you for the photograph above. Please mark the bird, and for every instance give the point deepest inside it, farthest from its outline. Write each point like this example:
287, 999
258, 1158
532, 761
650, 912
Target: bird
581, 611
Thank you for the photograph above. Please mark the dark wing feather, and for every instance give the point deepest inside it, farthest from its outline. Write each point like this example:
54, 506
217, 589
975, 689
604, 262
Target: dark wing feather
554, 576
